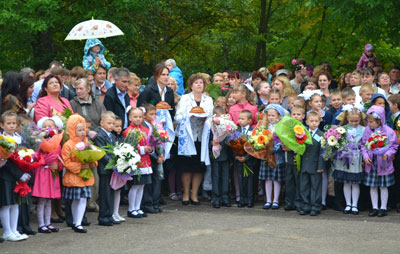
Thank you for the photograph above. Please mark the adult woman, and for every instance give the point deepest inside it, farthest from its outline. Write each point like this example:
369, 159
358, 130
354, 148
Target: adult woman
174, 86
384, 83
190, 145
282, 83
324, 80
85, 104
218, 78
344, 80
355, 79
49, 99
133, 89
9, 93
234, 79
25, 92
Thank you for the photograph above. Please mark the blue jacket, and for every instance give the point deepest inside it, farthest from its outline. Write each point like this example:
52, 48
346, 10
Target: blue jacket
89, 57
176, 73
388, 114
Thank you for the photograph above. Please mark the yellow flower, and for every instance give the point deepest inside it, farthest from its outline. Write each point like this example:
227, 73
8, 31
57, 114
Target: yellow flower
298, 129
10, 140
398, 123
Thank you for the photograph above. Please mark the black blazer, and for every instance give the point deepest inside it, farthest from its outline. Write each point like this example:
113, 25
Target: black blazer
102, 139
112, 103
10, 172
152, 96
312, 160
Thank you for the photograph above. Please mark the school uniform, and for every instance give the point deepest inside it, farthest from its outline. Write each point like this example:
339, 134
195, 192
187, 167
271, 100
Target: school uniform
394, 191
220, 175
9, 175
310, 180
292, 188
106, 193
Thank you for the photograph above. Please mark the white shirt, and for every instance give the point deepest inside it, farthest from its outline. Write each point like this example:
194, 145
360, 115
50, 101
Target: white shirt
356, 89
162, 92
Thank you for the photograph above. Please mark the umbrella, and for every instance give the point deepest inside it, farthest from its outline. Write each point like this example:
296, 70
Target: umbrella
93, 28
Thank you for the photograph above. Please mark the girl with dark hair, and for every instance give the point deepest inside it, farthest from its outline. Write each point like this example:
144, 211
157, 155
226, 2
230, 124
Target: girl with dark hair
25, 92
9, 92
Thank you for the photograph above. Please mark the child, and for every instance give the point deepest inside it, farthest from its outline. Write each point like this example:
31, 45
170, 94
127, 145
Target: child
221, 102
47, 179
315, 104
379, 168
106, 195
94, 55
230, 100
380, 100
9, 124
275, 97
276, 175
220, 170
336, 102
312, 167
349, 98
350, 171
366, 57
137, 184
245, 183
394, 102
243, 100
262, 90
75, 188
152, 191
117, 130
292, 195
365, 94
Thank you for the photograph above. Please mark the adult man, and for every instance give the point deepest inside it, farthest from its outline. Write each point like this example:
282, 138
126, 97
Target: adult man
101, 84
394, 74
116, 98
298, 79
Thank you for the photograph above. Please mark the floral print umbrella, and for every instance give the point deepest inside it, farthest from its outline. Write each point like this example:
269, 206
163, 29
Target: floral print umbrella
93, 29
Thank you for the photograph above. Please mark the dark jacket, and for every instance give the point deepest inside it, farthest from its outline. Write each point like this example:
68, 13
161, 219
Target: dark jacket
112, 103
250, 160
312, 160
224, 154
10, 172
152, 96
102, 139
91, 110
67, 93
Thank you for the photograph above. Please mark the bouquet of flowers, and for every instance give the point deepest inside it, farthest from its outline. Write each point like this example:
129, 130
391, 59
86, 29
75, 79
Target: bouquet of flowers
31, 137
236, 142
51, 139
377, 143
64, 118
87, 153
134, 136
215, 90
335, 139
260, 145
124, 162
221, 127
7, 146
159, 136
397, 129
294, 135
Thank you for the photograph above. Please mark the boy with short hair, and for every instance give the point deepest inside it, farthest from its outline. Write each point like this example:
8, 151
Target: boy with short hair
312, 167
366, 92
349, 98
336, 102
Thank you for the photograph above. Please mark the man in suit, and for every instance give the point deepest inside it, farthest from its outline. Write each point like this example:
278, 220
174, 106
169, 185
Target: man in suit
117, 99
312, 167
158, 91
394, 191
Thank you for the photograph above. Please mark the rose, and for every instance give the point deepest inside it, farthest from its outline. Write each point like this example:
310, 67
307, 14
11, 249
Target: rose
300, 136
80, 146
380, 144
52, 133
216, 121
265, 132
27, 158
373, 146
370, 139
298, 129
228, 128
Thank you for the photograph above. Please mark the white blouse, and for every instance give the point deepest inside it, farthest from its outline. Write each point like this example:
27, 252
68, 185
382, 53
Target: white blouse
186, 103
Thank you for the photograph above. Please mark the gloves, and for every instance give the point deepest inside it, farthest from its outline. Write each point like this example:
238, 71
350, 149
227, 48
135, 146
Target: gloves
25, 177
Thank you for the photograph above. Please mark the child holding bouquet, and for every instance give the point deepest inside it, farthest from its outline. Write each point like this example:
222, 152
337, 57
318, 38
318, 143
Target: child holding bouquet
379, 146
47, 180
75, 187
348, 167
275, 175
142, 176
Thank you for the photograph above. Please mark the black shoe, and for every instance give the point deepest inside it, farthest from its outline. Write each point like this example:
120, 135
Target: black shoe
227, 204
289, 208
323, 207
302, 212
58, 220
29, 231
185, 202
347, 210
105, 223
382, 213
373, 212
79, 230
149, 210
114, 221
70, 225
195, 202
314, 213
250, 205
216, 206
85, 223
240, 205
162, 202
159, 209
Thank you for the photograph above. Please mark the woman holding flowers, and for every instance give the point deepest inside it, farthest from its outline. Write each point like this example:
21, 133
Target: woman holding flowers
379, 146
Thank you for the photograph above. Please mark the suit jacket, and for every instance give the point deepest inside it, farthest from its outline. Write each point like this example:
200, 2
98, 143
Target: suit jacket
250, 160
10, 172
112, 103
102, 139
67, 93
312, 160
152, 96
224, 154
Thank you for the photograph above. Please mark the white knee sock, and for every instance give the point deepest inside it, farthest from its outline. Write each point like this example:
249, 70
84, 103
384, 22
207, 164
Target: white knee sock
14, 212
324, 187
139, 195
384, 197
132, 196
117, 199
355, 193
5, 219
74, 211
373, 192
347, 193
40, 212
268, 190
47, 212
81, 210
277, 191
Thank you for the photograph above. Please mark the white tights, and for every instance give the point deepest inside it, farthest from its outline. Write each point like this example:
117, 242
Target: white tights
351, 194
268, 190
9, 218
135, 197
117, 199
43, 210
78, 208
374, 197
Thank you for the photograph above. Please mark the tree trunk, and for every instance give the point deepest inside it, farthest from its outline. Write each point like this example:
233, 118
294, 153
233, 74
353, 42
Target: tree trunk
264, 47
261, 30
314, 54
44, 50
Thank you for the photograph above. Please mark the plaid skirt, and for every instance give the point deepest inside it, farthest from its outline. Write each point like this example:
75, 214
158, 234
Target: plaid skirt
76, 192
373, 180
276, 174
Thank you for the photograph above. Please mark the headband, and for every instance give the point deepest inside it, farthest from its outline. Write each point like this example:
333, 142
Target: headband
307, 94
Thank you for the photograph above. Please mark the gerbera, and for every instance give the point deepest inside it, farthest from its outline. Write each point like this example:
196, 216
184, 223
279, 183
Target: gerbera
332, 141
261, 140
341, 130
265, 132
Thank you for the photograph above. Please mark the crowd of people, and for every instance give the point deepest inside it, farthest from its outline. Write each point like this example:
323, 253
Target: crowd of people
110, 102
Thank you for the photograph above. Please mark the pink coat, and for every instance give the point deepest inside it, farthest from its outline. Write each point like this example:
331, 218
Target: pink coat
45, 105
234, 111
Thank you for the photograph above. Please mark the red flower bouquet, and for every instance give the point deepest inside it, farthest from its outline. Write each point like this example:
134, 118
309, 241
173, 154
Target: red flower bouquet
27, 159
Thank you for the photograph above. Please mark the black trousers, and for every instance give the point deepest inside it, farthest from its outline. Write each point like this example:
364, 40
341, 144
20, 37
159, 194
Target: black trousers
24, 214
311, 191
152, 191
292, 188
106, 198
245, 185
220, 181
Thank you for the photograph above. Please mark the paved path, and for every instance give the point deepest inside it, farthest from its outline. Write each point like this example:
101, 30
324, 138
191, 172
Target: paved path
204, 229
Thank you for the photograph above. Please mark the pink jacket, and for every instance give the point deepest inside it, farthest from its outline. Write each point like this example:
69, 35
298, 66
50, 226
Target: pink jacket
45, 105
234, 111
364, 59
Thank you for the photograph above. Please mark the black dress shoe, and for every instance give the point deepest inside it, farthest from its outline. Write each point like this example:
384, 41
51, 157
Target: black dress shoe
302, 212
85, 223
162, 202
185, 202
195, 202
159, 209
382, 212
70, 225
216, 206
289, 208
373, 212
250, 205
150, 210
314, 213
58, 220
227, 204
323, 207
105, 223
240, 205
79, 230
29, 232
